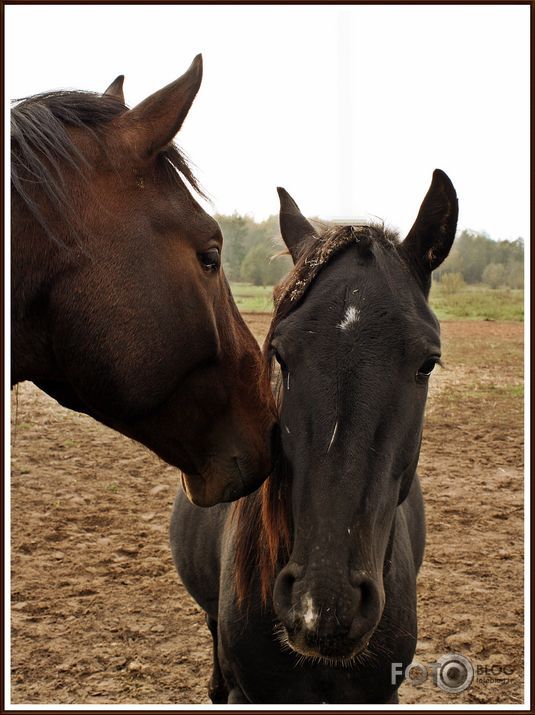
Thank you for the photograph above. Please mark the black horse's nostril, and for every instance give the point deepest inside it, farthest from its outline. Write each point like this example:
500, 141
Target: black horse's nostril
283, 592
366, 595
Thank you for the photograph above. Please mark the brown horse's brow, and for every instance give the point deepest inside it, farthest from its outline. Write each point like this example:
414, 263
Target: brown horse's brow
43, 151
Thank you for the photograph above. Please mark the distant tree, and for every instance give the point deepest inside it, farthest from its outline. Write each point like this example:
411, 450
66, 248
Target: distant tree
249, 245
252, 268
472, 252
277, 267
494, 275
475, 253
508, 251
261, 268
515, 274
234, 229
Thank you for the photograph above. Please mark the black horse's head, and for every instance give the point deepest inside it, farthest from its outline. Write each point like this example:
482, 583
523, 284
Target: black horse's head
356, 342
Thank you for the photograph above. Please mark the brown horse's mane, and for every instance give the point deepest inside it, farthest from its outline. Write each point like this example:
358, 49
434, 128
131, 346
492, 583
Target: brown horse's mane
263, 520
41, 149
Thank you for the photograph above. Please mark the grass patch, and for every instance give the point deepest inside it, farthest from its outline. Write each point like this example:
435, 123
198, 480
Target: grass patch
468, 303
487, 392
517, 391
252, 299
477, 303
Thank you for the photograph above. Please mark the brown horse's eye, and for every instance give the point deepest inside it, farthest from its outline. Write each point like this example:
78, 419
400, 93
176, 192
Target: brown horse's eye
210, 260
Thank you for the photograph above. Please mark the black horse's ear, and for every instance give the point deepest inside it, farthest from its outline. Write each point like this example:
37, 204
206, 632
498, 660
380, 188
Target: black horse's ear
151, 125
296, 231
431, 237
116, 89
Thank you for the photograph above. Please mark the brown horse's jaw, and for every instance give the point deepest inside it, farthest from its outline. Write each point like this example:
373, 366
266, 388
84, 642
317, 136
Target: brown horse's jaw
193, 486
201, 492
208, 489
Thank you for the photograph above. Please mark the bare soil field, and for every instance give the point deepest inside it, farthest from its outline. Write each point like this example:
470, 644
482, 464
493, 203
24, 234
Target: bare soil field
98, 614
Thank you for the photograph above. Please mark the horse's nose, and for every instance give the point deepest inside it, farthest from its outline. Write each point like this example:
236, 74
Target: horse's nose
326, 615
369, 605
283, 593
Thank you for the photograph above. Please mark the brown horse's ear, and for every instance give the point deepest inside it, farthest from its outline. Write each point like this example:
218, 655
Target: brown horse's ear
430, 239
296, 231
116, 89
151, 125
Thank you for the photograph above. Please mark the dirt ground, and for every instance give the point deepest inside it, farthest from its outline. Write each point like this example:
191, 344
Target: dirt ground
98, 614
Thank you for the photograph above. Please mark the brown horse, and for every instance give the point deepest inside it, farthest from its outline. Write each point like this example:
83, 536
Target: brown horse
120, 307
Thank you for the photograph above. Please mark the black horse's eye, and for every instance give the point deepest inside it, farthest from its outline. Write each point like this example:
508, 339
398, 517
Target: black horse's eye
426, 368
210, 260
280, 360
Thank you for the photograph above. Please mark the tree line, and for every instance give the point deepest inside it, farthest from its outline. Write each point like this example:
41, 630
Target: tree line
252, 254
476, 258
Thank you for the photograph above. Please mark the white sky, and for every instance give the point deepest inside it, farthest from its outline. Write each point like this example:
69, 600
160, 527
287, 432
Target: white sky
350, 108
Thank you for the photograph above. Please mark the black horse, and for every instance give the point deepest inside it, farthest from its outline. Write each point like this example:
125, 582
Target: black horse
309, 585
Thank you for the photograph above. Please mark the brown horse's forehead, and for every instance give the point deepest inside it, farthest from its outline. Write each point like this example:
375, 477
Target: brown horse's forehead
140, 193
155, 190
172, 208
101, 147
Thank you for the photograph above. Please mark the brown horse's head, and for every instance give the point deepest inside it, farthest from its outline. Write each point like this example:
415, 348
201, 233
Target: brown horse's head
120, 306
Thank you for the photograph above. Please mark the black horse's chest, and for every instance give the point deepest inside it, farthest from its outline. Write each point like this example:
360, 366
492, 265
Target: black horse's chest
253, 660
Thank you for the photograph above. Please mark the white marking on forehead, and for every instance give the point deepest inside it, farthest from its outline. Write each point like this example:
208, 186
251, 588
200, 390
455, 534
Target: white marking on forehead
332, 438
310, 615
351, 317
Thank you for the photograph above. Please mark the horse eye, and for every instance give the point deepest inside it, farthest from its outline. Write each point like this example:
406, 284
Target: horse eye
281, 362
210, 260
427, 368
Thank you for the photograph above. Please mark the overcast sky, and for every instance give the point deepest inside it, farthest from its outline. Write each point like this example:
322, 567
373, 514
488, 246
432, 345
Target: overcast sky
349, 108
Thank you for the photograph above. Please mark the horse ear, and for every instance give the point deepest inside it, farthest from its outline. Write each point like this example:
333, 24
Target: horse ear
116, 89
296, 231
151, 125
431, 237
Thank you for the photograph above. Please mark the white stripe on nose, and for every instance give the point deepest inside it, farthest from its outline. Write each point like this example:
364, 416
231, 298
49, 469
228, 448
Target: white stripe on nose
310, 615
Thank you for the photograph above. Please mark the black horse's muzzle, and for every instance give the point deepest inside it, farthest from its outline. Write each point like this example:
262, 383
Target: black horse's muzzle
327, 616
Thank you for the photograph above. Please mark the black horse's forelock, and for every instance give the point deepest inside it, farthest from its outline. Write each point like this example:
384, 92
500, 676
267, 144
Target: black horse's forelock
42, 150
333, 239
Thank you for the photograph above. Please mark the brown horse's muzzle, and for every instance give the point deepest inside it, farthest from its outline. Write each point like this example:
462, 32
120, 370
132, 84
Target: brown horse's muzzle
227, 480
209, 490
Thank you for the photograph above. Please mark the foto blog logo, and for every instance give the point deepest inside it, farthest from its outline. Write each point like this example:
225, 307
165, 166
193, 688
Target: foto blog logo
452, 673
